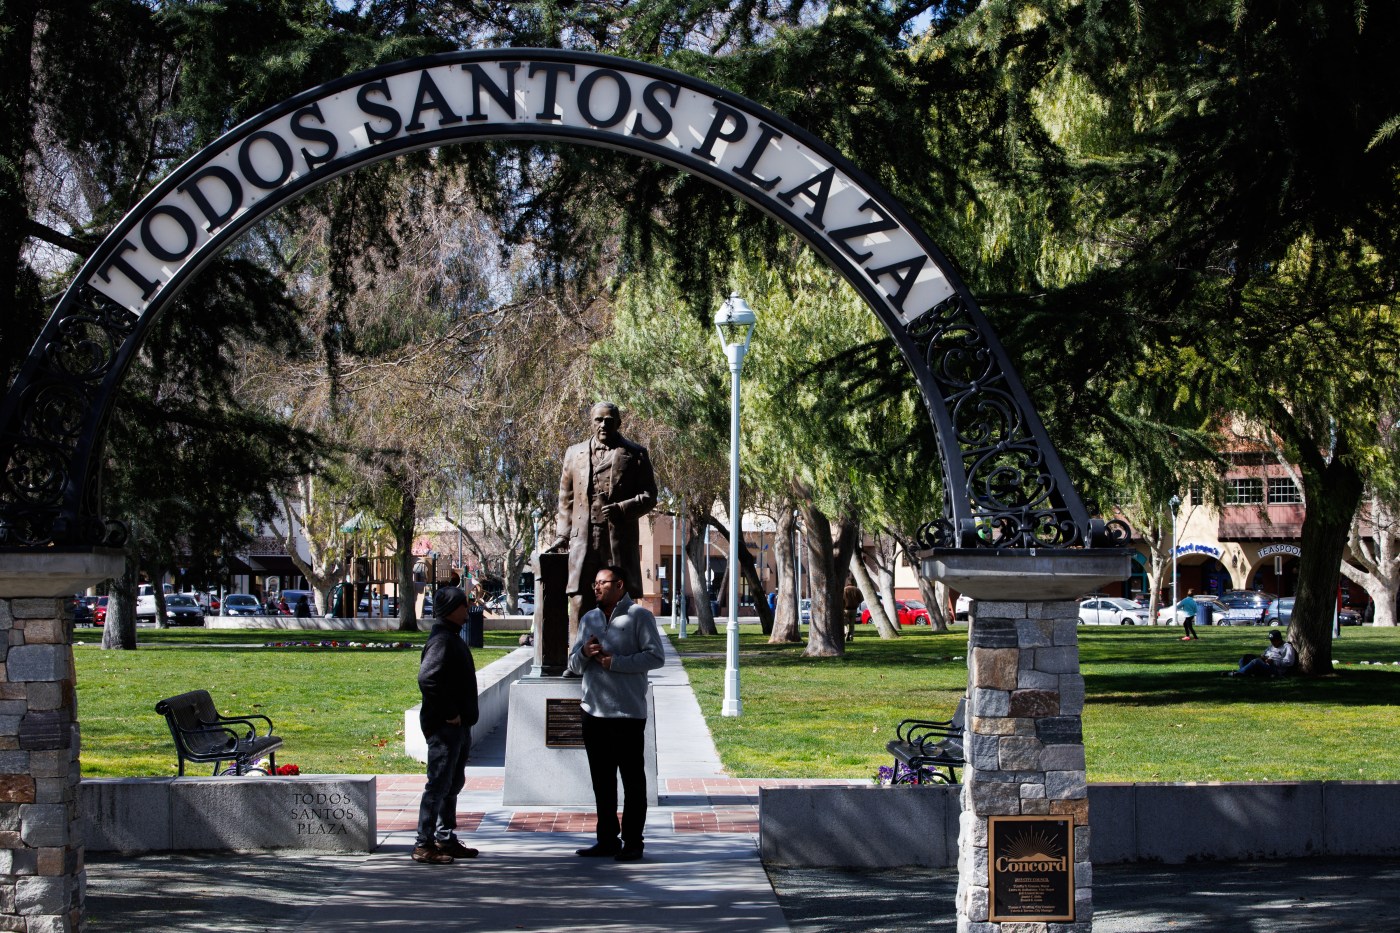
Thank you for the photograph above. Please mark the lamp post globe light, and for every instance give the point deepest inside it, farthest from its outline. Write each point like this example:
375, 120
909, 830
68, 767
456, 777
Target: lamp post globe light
734, 322
1175, 503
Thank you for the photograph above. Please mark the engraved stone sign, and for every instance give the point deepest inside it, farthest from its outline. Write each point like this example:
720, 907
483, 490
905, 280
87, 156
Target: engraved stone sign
1031, 868
563, 723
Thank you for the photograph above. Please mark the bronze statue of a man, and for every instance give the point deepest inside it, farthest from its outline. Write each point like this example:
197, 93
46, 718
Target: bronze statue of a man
606, 487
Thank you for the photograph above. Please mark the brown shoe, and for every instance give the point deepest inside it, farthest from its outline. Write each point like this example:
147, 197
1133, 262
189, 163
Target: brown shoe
457, 850
432, 855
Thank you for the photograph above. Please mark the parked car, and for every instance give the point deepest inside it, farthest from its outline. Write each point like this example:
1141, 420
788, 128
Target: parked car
146, 600
294, 596
804, 611
241, 604
525, 604
911, 612
81, 609
183, 609
1172, 615
1243, 607
99, 611
1111, 610
1348, 616
1279, 612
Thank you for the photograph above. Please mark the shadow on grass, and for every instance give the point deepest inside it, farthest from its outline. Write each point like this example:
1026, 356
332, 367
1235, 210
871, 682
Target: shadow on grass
1350, 687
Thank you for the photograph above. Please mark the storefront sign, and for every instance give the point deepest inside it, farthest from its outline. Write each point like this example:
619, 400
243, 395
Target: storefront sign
1290, 549
1031, 868
1193, 548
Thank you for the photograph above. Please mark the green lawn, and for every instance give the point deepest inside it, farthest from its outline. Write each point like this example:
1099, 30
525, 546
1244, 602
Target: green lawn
340, 710
1157, 710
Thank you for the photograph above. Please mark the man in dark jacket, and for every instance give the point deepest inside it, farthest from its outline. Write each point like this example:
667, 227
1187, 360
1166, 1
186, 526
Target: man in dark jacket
447, 680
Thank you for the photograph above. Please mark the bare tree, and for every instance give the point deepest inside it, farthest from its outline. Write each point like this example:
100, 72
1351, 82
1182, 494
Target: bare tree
1374, 544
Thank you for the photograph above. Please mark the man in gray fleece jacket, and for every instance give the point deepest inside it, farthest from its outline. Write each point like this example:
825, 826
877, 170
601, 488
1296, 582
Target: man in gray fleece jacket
617, 644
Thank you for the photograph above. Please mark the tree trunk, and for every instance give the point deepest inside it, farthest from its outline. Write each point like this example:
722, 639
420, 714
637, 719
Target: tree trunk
325, 568
158, 589
699, 595
1333, 493
1158, 567
1377, 549
119, 631
933, 594
748, 566
787, 622
408, 611
828, 561
512, 565
878, 616
403, 543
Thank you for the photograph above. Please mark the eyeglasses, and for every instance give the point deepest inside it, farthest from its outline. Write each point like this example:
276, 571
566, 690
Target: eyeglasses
604, 583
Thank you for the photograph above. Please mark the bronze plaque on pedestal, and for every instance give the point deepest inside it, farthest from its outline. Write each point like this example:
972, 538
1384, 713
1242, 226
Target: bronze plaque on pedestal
563, 723
1030, 868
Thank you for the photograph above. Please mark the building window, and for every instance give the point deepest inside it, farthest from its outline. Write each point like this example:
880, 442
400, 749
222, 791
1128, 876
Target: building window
1197, 497
1283, 491
1244, 492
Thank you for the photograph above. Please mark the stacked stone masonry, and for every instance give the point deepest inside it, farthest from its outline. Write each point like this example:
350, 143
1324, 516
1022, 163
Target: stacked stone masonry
41, 864
1024, 747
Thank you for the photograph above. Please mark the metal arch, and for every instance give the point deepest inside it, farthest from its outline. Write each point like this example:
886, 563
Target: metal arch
1004, 485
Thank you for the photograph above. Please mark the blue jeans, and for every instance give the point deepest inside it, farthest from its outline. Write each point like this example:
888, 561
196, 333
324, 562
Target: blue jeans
1259, 668
447, 772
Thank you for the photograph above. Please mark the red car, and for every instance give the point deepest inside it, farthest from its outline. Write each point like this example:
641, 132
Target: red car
99, 612
911, 612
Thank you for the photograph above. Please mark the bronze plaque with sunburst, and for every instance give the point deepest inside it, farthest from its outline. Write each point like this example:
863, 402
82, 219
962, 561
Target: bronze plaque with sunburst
1031, 868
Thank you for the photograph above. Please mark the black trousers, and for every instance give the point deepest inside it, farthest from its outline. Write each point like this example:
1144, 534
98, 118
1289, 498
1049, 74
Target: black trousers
447, 774
613, 746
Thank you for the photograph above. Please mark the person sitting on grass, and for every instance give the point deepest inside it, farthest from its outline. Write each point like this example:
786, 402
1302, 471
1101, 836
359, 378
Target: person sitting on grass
1279, 658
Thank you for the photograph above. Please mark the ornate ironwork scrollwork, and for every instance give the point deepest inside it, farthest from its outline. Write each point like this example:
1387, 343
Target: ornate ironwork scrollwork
1008, 490
54, 413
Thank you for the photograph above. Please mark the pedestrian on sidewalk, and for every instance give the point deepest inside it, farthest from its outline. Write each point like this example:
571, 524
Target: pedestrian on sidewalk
617, 644
447, 680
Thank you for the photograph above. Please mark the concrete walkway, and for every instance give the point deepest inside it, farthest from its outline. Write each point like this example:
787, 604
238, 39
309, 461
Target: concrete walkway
701, 871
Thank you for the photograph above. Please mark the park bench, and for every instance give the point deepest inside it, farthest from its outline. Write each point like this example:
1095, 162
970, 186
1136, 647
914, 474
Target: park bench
929, 751
201, 734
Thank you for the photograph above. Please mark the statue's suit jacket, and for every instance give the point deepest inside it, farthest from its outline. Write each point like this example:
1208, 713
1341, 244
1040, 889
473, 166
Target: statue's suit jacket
631, 485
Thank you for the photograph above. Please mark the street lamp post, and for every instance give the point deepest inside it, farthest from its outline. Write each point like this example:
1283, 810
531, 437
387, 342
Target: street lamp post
1175, 503
734, 322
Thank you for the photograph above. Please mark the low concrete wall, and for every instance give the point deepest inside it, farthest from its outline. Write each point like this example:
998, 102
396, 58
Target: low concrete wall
312, 624
492, 696
375, 624
322, 813
884, 827
861, 826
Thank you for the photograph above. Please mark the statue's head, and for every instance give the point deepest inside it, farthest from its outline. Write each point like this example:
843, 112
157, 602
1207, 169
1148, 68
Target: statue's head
607, 420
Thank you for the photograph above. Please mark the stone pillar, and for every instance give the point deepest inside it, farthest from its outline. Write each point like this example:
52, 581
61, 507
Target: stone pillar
42, 878
1025, 747
1023, 742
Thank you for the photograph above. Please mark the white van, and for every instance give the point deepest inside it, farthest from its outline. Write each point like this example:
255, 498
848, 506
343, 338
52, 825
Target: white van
146, 601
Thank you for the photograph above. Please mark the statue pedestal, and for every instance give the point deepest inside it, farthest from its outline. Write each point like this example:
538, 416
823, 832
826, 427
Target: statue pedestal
545, 761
